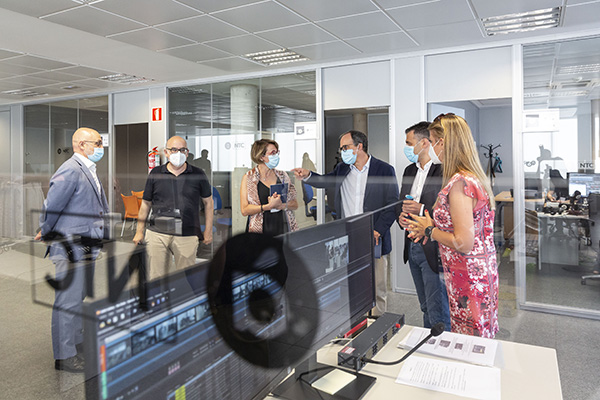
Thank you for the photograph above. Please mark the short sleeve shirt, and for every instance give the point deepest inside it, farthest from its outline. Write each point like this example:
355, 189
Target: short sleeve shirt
172, 195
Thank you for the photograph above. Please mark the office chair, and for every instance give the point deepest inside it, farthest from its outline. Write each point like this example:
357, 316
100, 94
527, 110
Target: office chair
131, 211
308, 196
139, 196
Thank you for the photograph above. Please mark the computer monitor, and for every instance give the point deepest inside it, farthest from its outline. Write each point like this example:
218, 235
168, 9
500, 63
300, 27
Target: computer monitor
585, 183
174, 350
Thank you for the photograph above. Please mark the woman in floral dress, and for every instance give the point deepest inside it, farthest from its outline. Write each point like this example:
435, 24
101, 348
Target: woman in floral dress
463, 226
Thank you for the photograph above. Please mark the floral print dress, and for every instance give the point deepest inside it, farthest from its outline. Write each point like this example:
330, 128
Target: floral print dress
471, 278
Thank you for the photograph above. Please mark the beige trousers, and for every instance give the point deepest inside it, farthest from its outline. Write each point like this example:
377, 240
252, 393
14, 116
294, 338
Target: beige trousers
161, 247
381, 275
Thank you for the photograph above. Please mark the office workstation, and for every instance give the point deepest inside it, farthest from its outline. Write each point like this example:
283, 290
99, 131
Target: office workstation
141, 73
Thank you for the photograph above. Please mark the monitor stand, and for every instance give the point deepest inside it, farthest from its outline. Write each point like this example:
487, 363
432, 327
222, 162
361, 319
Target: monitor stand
298, 386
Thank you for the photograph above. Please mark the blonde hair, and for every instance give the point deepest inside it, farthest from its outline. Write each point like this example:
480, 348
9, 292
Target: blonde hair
460, 152
259, 149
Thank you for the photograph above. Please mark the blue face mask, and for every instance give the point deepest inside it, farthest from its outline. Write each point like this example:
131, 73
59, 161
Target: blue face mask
348, 156
273, 161
97, 155
409, 152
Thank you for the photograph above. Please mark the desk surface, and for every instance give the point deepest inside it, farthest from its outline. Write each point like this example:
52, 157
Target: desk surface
530, 372
507, 198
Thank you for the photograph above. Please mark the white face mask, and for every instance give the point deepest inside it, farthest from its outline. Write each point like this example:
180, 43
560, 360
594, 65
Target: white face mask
177, 159
434, 157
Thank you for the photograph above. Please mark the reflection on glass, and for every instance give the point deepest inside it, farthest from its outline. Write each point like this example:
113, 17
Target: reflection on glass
560, 154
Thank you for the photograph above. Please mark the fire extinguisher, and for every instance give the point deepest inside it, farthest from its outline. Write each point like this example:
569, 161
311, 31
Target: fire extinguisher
153, 159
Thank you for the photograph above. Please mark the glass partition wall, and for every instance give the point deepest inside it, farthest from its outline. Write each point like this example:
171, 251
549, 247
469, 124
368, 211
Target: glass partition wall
48, 129
220, 122
561, 165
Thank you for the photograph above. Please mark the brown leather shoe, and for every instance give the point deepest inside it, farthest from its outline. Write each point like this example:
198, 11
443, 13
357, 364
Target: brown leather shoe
73, 364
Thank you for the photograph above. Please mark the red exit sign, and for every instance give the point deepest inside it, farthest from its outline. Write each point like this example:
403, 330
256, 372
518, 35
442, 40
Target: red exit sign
157, 114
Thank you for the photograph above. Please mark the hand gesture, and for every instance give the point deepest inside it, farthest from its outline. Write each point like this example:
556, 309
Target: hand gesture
38, 236
274, 202
411, 207
417, 225
301, 173
403, 220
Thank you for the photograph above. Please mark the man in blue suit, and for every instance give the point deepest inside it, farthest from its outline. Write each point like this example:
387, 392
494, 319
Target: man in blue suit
363, 183
73, 224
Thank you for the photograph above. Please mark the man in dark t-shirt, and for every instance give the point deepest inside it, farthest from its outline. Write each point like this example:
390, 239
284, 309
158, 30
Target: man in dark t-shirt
173, 192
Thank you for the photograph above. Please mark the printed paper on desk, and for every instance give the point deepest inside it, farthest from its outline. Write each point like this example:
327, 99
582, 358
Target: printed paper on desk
473, 381
456, 346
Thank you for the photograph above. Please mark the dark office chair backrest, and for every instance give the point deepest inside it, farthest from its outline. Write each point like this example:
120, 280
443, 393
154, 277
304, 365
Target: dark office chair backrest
594, 204
561, 185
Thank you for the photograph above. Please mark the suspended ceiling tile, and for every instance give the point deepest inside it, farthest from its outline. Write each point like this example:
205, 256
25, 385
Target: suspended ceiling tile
150, 12
432, 14
94, 21
32, 80
16, 69
57, 76
318, 9
447, 35
486, 8
260, 17
196, 52
12, 85
233, 64
209, 6
37, 62
243, 45
298, 35
326, 51
360, 25
86, 72
403, 3
583, 14
381, 43
202, 29
7, 54
38, 8
152, 39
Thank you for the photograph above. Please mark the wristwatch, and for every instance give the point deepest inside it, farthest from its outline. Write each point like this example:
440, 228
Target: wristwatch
429, 231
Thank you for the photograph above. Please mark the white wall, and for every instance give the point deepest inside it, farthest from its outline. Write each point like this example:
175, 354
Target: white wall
131, 107
469, 75
356, 86
5, 154
408, 108
495, 127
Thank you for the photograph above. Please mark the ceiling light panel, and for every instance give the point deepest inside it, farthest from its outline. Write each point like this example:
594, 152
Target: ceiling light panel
522, 22
275, 57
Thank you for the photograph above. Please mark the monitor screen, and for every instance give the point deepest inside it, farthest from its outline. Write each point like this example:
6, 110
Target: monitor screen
175, 350
584, 183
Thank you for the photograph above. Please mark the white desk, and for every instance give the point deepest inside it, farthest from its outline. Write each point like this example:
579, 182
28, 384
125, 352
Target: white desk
529, 372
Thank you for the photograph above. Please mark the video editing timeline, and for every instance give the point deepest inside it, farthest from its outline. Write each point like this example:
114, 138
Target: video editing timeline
174, 350
585, 183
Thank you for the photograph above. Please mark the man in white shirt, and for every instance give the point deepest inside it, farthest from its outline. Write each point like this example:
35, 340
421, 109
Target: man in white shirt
421, 183
362, 183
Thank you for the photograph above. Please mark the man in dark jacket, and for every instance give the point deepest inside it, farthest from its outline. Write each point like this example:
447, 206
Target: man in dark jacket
363, 183
421, 183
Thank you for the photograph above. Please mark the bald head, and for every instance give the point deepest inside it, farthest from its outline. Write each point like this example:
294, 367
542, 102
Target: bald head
176, 141
82, 138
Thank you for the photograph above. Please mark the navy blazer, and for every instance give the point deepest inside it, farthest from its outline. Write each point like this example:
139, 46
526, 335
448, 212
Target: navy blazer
74, 206
381, 191
431, 188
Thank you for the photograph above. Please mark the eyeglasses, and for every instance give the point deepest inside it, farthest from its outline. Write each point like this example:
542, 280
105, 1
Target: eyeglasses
272, 153
176, 150
443, 115
345, 147
97, 143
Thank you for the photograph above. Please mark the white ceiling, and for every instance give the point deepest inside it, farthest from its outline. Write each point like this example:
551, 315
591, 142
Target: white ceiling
59, 47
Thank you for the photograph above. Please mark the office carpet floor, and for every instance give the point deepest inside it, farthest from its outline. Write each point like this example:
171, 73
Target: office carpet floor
27, 366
